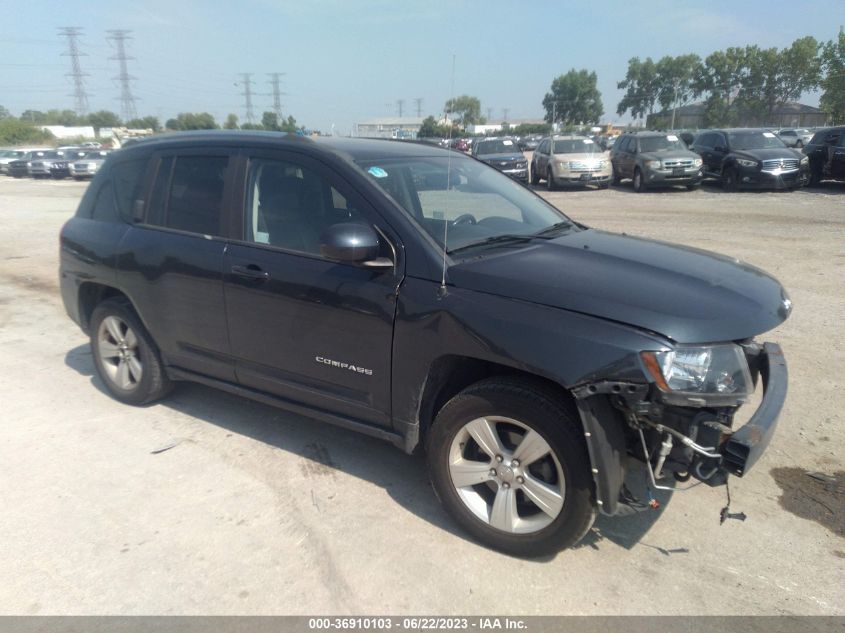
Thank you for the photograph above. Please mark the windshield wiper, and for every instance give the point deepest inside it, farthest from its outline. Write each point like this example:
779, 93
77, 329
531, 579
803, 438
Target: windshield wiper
496, 239
550, 231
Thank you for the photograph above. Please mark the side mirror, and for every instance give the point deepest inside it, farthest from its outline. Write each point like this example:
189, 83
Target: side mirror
352, 243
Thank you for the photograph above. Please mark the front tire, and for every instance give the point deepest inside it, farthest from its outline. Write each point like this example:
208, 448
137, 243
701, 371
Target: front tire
638, 181
730, 179
535, 177
508, 462
550, 179
125, 356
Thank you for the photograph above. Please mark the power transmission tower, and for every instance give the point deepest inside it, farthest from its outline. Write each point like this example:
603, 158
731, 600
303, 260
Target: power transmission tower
127, 100
419, 102
246, 82
489, 114
505, 114
400, 104
79, 94
277, 93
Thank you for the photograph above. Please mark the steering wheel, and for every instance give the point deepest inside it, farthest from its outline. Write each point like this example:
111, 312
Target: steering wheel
465, 218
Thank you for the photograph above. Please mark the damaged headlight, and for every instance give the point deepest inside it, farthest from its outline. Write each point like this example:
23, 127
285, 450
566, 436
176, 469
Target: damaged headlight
719, 370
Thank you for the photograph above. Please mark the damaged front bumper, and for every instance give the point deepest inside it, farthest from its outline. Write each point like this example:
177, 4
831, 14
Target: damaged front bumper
624, 419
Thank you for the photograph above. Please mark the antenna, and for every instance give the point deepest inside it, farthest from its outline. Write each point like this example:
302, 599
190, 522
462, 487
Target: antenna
448, 184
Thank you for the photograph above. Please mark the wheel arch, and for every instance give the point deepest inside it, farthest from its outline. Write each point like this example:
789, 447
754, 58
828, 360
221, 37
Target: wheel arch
91, 294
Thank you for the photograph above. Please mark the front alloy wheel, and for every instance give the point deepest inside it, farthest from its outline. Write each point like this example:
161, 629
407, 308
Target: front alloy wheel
506, 475
508, 461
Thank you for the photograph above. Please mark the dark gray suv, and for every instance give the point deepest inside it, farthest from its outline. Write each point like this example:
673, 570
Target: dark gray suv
422, 297
654, 159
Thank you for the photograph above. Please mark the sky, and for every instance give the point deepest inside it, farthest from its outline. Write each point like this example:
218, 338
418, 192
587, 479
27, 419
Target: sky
347, 61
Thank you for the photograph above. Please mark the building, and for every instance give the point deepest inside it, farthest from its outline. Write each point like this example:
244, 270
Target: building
389, 127
692, 117
493, 126
64, 132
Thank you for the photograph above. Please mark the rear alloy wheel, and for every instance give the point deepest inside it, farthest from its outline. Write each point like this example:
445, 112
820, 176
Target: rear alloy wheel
125, 356
638, 182
510, 465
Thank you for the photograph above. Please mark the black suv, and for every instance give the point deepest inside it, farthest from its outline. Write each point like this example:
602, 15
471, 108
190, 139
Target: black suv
503, 154
826, 153
419, 296
749, 157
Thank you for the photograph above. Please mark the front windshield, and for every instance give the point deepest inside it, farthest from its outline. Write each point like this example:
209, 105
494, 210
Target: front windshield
479, 203
660, 143
499, 146
574, 146
754, 140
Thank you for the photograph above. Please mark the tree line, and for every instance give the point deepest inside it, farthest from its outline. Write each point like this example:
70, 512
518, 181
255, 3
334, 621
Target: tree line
24, 129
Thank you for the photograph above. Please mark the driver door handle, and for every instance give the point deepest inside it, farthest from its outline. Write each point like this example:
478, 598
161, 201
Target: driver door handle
250, 272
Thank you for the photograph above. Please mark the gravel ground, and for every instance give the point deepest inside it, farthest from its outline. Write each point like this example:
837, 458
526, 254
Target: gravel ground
210, 504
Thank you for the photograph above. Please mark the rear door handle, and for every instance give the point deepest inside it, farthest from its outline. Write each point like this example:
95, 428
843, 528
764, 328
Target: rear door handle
250, 272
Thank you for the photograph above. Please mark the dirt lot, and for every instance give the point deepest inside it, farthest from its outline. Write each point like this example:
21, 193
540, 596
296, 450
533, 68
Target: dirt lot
210, 504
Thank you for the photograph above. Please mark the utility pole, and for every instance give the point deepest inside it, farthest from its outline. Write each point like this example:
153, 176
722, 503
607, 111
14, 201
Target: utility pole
127, 101
79, 94
246, 82
674, 102
400, 104
277, 94
419, 102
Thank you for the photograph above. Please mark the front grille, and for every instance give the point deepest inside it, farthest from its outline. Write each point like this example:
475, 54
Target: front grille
783, 164
580, 165
677, 162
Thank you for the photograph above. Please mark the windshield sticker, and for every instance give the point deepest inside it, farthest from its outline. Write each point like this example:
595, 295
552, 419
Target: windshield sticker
671, 137
768, 135
588, 141
506, 142
378, 172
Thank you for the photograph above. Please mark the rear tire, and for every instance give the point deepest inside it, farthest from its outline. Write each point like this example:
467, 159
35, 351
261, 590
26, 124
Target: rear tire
508, 462
125, 356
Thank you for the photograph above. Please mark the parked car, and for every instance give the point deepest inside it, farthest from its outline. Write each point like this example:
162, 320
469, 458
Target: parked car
654, 159
40, 166
570, 161
751, 157
60, 167
530, 355
795, 137
7, 156
529, 143
826, 152
504, 155
87, 165
19, 167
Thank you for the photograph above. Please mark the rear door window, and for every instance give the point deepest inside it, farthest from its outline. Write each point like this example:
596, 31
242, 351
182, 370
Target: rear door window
189, 196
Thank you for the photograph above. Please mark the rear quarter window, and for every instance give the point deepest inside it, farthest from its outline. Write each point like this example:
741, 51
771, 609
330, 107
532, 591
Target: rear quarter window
128, 182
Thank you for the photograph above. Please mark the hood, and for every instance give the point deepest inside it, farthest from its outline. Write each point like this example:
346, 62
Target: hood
768, 153
685, 294
509, 156
582, 156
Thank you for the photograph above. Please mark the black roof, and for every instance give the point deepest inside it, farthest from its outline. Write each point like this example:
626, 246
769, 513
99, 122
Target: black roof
353, 148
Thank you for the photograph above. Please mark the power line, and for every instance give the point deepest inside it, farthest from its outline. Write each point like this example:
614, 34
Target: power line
127, 100
246, 82
79, 94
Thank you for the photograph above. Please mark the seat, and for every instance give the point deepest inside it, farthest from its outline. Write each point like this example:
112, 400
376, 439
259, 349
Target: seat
285, 212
